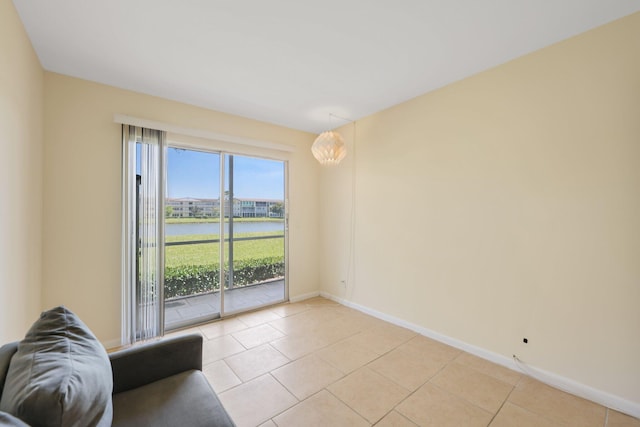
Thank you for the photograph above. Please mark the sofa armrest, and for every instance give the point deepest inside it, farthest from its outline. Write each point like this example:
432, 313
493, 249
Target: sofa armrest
140, 365
6, 353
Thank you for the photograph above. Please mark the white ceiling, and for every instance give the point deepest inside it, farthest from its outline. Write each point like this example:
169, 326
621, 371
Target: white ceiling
295, 62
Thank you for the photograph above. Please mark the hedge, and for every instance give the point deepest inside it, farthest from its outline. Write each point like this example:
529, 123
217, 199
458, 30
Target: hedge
187, 280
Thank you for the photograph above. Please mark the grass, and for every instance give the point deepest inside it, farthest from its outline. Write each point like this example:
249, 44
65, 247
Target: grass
209, 254
217, 220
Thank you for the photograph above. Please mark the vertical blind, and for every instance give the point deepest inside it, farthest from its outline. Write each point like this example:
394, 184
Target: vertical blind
143, 159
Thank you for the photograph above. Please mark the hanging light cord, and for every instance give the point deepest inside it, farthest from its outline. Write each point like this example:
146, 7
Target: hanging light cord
351, 277
351, 273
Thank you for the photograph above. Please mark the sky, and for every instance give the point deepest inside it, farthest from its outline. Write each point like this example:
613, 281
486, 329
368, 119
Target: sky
196, 174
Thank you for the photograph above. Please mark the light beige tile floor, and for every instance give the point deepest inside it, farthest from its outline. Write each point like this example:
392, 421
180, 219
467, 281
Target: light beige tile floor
318, 363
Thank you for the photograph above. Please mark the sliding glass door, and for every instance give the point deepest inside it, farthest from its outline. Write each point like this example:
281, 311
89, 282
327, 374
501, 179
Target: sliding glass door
192, 237
224, 223
254, 244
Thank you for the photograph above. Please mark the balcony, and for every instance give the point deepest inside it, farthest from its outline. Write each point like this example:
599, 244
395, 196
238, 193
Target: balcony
254, 262
183, 311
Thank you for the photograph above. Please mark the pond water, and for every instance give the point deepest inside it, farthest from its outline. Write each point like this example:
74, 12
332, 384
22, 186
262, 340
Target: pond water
214, 227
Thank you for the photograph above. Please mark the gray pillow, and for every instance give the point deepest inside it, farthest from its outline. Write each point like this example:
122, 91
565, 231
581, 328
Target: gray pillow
8, 420
60, 375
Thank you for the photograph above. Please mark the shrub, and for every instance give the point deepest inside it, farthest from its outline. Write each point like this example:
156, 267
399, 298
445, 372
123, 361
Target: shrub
187, 280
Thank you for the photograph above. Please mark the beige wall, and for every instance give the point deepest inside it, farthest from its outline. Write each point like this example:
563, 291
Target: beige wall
507, 205
21, 89
82, 172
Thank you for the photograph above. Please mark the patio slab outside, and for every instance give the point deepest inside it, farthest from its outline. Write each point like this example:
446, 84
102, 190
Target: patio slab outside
183, 311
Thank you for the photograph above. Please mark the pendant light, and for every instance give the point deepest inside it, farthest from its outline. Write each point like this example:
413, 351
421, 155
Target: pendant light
329, 148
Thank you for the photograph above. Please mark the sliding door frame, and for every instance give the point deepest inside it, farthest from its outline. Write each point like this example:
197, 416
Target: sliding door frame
207, 141
223, 173
223, 154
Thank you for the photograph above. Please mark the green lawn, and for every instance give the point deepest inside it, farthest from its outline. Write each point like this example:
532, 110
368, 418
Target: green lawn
208, 253
207, 220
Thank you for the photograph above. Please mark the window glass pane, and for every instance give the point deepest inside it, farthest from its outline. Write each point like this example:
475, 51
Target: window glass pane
192, 237
255, 246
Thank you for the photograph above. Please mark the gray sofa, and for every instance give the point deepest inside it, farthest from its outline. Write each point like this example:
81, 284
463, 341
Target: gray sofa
155, 384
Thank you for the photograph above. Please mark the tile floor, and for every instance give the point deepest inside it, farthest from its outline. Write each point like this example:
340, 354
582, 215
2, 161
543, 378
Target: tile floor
318, 363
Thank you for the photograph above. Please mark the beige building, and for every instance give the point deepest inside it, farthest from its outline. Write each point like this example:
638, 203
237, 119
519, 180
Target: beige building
188, 207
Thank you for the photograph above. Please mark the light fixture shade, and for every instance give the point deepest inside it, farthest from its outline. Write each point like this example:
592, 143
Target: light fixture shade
329, 148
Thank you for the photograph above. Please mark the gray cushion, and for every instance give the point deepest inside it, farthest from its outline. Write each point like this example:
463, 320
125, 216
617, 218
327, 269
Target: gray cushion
6, 353
8, 420
185, 399
60, 375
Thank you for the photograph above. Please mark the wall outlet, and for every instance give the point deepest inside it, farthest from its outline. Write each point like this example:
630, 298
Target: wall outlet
343, 284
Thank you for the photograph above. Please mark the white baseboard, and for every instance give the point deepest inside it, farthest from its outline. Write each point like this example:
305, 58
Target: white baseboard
570, 386
303, 297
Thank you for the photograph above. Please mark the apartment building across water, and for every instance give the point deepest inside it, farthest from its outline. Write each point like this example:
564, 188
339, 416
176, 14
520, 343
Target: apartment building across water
188, 207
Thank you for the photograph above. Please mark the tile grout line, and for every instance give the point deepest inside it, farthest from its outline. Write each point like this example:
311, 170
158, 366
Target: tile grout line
506, 399
315, 353
411, 393
298, 401
478, 370
522, 378
463, 398
348, 406
344, 375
